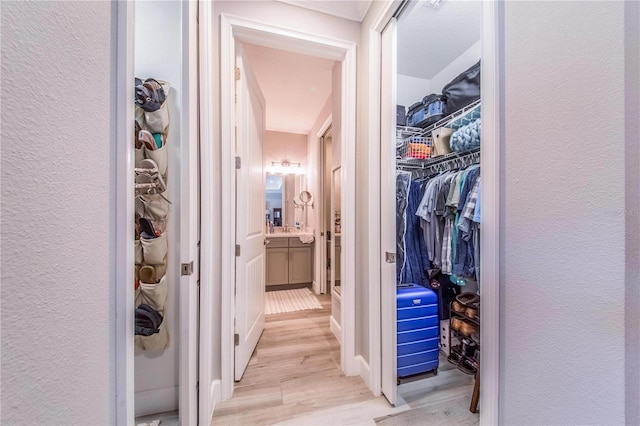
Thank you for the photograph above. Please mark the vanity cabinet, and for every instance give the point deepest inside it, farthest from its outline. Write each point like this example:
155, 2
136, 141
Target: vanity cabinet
277, 271
289, 261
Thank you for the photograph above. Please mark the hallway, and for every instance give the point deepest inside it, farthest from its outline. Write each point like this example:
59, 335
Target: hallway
293, 378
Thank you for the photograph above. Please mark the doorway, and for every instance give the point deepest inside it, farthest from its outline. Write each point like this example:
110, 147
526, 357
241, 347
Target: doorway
241, 30
387, 42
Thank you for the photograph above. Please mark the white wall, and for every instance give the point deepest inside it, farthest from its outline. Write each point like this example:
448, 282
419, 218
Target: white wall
412, 89
57, 207
279, 146
456, 67
158, 54
563, 255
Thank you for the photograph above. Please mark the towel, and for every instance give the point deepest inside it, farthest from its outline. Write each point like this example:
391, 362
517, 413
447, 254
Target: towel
306, 238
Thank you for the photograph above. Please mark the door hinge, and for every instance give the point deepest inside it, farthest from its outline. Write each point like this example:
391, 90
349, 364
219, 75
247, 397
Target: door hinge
238, 163
237, 250
236, 339
237, 73
186, 268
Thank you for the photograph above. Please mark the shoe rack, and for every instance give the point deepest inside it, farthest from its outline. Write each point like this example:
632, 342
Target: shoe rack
464, 327
151, 213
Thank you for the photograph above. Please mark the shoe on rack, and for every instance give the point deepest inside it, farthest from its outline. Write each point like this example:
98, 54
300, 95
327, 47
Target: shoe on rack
147, 274
159, 140
468, 366
148, 320
150, 95
147, 139
455, 356
148, 178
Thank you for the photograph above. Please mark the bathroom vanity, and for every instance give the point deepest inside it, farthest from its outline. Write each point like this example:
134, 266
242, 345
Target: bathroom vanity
289, 260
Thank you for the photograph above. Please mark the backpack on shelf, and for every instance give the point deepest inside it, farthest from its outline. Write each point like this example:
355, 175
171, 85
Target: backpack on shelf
426, 112
462, 90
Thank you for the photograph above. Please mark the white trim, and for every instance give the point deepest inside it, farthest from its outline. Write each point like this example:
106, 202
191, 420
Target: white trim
335, 329
234, 29
188, 290
490, 162
365, 371
492, 29
353, 11
124, 205
209, 229
375, 250
228, 204
348, 209
388, 312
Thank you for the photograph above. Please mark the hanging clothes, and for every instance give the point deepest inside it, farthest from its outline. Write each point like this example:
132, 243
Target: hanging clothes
412, 259
446, 214
463, 264
403, 181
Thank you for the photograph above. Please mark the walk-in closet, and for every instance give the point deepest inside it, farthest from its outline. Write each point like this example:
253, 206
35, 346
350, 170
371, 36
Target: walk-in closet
437, 187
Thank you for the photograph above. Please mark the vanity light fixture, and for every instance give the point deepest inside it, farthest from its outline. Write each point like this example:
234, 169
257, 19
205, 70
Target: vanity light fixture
286, 167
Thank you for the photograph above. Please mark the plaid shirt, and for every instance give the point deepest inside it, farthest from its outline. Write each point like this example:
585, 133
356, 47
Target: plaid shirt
464, 225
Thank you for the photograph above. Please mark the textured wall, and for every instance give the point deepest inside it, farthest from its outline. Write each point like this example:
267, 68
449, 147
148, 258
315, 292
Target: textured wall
563, 260
57, 213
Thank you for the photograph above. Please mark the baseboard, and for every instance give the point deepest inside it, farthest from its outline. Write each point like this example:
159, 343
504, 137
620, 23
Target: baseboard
156, 401
216, 396
365, 371
335, 329
216, 391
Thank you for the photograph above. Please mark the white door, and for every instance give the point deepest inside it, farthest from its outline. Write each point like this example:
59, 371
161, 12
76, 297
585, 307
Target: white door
388, 210
189, 223
250, 205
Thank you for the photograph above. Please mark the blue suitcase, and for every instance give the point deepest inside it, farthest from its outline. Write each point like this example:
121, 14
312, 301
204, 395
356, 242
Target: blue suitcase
418, 329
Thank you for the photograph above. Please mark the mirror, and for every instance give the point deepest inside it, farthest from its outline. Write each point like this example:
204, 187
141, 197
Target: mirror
281, 192
303, 200
336, 242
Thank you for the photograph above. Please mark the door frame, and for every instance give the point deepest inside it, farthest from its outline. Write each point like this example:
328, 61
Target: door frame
320, 275
124, 204
187, 318
233, 29
492, 32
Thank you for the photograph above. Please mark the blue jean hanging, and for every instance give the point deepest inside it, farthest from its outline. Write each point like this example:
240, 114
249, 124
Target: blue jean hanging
416, 261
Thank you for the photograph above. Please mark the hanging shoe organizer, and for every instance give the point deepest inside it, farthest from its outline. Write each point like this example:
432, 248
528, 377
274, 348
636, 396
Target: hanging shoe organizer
151, 211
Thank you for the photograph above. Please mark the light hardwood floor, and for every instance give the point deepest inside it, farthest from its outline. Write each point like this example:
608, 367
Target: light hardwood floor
294, 378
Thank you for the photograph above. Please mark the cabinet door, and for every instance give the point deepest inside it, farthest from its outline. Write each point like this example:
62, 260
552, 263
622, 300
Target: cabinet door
300, 265
277, 266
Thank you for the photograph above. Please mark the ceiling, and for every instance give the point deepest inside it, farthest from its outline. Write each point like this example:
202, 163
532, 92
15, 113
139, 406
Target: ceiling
445, 32
352, 10
295, 86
